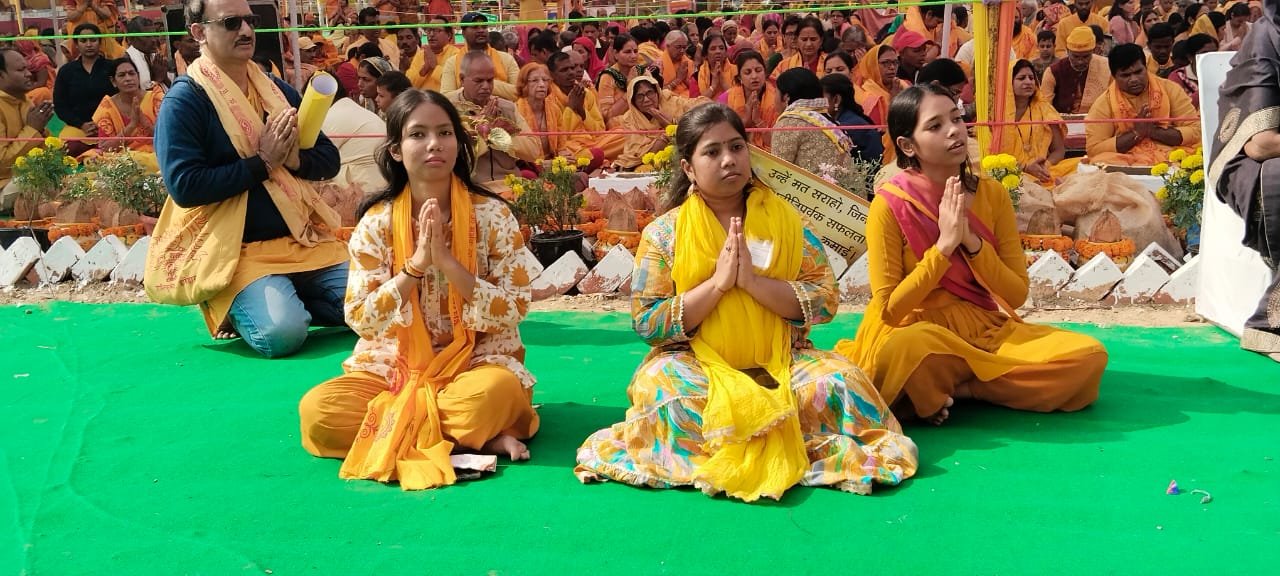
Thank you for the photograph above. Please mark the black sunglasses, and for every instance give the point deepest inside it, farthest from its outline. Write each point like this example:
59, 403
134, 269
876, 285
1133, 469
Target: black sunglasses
233, 23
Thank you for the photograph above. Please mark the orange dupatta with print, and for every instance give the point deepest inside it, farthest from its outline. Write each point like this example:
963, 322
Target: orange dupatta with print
400, 438
194, 251
1148, 151
111, 122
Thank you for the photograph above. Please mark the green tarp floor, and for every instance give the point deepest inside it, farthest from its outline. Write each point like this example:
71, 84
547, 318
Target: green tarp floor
132, 444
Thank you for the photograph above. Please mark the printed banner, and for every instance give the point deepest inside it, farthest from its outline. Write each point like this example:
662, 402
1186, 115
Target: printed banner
837, 216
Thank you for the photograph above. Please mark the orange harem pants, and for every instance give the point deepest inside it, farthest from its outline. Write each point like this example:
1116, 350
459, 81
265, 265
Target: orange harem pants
477, 406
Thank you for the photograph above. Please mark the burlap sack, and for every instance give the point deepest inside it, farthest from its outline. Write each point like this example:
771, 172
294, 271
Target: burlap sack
1082, 197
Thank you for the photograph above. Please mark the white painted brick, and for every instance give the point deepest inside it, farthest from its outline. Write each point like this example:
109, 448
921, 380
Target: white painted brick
559, 277
1162, 257
99, 261
1182, 285
58, 260
610, 273
856, 282
1049, 273
1141, 280
134, 263
1094, 280
18, 260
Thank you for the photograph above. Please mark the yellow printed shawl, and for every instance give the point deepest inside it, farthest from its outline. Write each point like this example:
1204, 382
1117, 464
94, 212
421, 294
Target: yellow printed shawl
751, 433
400, 438
194, 251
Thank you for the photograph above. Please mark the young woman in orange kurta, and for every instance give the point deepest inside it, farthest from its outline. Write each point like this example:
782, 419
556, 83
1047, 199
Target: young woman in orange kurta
947, 274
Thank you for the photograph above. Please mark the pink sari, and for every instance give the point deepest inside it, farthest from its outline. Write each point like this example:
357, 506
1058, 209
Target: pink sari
914, 199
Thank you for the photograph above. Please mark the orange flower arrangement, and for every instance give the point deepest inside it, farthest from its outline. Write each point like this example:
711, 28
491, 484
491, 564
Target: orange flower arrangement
1124, 249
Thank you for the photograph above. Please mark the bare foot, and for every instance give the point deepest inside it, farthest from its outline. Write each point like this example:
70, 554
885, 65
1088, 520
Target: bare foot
504, 445
942, 414
962, 391
226, 332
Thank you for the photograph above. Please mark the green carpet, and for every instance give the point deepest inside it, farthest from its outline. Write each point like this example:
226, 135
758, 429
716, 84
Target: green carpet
133, 445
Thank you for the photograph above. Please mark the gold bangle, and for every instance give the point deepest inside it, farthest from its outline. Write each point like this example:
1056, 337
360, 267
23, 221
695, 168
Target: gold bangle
413, 271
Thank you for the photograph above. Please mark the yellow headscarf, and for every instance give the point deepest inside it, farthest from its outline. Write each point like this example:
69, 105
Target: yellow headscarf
751, 433
400, 438
1204, 25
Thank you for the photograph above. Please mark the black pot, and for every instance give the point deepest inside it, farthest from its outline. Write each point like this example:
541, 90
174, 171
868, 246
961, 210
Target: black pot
10, 235
548, 247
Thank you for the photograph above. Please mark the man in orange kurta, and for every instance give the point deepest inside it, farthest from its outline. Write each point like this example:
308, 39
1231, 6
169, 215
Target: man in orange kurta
579, 110
477, 38
1083, 16
1137, 93
427, 65
369, 17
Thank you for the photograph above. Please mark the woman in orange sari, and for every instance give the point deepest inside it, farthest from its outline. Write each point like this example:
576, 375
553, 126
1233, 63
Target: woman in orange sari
770, 37
755, 99
611, 84
1040, 148
131, 112
533, 85
437, 291
947, 274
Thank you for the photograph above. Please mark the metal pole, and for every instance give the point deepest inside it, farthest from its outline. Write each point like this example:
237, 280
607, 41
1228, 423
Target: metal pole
298, 80
946, 34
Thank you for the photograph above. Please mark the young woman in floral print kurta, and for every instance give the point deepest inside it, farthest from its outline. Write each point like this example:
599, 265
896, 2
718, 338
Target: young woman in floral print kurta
846, 437
439, 364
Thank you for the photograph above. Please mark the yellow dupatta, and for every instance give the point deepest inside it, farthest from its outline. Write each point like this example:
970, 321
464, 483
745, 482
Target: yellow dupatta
1031, 142
1204, 25
194, 251
751, 433
400, 438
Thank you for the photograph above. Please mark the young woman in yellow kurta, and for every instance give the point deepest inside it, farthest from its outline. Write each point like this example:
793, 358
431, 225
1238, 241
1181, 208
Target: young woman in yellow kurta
947, 272
733, 398
437, 291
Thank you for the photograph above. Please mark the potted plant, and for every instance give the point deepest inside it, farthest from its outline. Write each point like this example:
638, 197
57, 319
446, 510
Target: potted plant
39, 176
549, 204
132, 186
1182, 196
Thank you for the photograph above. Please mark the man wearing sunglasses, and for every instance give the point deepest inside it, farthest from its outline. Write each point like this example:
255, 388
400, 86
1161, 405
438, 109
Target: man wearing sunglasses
244, 235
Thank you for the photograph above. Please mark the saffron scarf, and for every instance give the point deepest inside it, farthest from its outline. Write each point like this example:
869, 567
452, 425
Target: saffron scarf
914, 199
751, 433
194, 250
551, 114
669, 73
813, 113
1031, 142
400, 438
1148, 151
728, 71
736, 98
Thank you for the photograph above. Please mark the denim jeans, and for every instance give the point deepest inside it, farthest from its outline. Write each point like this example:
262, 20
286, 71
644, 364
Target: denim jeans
273, 313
